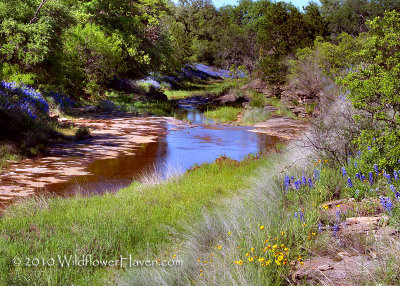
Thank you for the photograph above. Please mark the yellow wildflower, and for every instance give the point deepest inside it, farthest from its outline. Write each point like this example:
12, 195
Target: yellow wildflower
286, 249
229, 233
247, 254
262, 227
173, 257
261, 259
252, 249
277, 262
240, 262
267, 262
275, 246
325, 207
282, 233
250, 259
338, 206
219, 247
280, 258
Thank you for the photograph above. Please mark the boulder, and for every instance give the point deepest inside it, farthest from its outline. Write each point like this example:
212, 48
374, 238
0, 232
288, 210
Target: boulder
156, 96
229, 99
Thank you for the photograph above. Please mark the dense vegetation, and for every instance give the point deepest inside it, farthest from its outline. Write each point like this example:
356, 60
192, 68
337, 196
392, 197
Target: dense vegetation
78, 47
339, 59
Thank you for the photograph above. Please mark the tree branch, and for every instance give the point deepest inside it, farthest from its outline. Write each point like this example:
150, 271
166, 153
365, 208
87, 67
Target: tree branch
34, 19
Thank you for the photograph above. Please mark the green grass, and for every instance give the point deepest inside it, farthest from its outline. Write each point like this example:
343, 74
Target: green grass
7, 154
126, 223
224, 114
125, 102
254, 115
201, 88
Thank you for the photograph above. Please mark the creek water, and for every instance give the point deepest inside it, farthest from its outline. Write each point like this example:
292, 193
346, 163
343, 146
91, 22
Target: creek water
74, 167
175, 151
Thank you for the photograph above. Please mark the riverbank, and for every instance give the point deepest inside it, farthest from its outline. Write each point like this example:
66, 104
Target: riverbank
299, 223
138, 218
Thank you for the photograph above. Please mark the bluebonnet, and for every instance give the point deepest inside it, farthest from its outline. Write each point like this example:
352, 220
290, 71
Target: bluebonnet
388, 177
335, 230
397, 196
349, 183
338, 215
387, 204
287, 182
392, 188
395, 175
320, 227
297, 185
358, 176
344, 171
316, 174
371, 178
304, 180
62, 100
310, 184
355, 164
22, 98
376, 169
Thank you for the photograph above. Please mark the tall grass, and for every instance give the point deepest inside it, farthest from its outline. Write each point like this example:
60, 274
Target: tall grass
238, 232
254, 115
137, 218
224, 114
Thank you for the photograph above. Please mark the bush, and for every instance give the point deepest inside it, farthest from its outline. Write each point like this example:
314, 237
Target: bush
373, 87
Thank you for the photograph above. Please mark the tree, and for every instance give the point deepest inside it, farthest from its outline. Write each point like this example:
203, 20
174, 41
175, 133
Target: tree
374, 85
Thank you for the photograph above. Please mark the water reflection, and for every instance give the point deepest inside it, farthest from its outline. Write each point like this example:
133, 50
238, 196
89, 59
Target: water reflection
175, 151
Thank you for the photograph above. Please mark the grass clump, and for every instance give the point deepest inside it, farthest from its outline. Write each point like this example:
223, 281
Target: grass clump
224, 114
189, 89
254, 115
138, 218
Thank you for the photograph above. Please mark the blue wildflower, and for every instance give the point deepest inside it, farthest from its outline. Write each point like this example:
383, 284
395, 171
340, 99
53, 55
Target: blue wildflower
376, 169
320, 227
388, 177
387, 204
395, 175
310, 184
349, 183
393, 188
371, 178
343, 171
316, 174
335, 230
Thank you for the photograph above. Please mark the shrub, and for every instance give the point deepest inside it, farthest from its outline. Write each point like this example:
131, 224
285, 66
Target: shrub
373, 87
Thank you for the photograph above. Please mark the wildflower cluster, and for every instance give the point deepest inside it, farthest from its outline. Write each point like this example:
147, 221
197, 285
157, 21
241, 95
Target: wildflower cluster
193, 71
292, 183
22, 98
62, 100
384, 182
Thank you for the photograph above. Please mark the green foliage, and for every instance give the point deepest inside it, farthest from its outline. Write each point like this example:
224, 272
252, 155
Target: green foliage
91, 56
78, 46
373, 87
224, 114
351, 16
131, 221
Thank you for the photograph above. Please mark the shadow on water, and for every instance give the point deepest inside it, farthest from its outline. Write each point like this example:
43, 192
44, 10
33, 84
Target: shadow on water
175, 152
